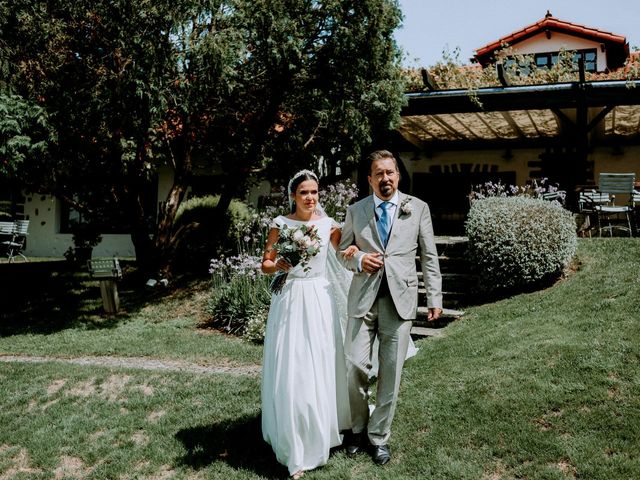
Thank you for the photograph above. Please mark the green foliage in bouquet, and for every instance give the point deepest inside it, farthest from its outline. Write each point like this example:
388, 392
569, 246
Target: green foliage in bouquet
298, 245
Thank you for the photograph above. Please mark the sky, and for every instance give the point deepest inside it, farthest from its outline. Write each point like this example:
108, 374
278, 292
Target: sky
432, 26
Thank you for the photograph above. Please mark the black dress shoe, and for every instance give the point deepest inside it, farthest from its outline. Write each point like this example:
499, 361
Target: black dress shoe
381, 454
355, 442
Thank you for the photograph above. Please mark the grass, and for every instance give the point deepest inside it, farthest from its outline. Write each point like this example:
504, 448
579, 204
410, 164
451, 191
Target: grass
65, 318
543, 385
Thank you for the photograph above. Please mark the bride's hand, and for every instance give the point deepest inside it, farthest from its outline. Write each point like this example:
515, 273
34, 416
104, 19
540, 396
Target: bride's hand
349, 252
283, 265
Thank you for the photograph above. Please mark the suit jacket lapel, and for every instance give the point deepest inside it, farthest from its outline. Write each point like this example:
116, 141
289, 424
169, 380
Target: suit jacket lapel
401, 197
370, 212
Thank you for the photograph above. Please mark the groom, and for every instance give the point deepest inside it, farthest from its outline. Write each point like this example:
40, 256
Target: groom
388, 228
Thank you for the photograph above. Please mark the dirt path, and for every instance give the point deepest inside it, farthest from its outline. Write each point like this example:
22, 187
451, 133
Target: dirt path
138, 363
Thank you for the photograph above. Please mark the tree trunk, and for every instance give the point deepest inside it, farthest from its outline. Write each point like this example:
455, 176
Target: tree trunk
165, 239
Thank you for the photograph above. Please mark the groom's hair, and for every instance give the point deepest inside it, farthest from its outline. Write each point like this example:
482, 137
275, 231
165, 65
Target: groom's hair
381, 155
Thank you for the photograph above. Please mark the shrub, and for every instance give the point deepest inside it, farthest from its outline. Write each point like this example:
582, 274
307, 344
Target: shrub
519, 242
193, 207
240, 296
336, 198
203, 233
535, 189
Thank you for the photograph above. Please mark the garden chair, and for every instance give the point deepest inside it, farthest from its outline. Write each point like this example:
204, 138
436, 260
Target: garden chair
613, 184
6, 232
557, 196
588, 201
16, 244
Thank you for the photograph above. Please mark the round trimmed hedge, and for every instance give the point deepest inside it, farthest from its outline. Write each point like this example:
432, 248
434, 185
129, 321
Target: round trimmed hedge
517, 242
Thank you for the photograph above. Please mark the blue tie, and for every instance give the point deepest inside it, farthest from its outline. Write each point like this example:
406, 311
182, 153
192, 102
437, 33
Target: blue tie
384, 224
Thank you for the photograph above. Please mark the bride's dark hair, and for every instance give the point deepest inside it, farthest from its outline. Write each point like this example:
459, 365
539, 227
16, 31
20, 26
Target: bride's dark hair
298, 178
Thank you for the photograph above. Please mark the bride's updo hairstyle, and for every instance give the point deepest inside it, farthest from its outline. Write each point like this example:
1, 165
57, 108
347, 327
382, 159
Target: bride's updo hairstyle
296, 180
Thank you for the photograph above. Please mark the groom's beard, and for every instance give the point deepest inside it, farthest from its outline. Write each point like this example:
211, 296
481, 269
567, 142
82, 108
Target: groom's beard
387, 190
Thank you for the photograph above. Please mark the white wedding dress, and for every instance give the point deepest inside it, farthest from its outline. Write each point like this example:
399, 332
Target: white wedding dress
305, 402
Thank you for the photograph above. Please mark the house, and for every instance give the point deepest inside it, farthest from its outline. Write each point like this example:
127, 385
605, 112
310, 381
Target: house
601, 51
50, 219
566, 132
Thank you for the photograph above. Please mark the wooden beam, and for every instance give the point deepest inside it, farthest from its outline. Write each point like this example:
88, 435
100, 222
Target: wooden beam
429, 83
486, 124
512, 123
562, 119
504, 81
603, 113
465, 126
415, 124
529, 97
535, 126
447, 127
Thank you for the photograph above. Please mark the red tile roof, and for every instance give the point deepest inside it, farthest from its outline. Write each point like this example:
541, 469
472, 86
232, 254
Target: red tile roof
616, 45
550, 23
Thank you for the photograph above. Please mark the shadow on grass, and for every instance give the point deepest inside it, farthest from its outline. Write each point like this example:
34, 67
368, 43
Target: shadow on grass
238, 443
47, 297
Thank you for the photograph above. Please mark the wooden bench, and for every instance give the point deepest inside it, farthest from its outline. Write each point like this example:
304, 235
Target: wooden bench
108, 272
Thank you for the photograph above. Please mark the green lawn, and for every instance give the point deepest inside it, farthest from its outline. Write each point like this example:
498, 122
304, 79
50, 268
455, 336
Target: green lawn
67, 320
543, 385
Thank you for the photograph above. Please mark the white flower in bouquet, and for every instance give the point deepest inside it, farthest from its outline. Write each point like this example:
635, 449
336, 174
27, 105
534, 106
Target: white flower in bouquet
298, 245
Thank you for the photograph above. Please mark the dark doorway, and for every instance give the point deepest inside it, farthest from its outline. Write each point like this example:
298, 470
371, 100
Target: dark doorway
447, 192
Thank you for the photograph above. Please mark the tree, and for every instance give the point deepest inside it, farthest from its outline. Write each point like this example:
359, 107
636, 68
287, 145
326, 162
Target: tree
250, 85
25, 135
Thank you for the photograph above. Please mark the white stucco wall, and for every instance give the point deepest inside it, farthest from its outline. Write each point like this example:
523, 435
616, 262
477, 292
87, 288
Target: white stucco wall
45, 239
541, 44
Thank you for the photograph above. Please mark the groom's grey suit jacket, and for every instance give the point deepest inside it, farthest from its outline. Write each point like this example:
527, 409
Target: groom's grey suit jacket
409, 231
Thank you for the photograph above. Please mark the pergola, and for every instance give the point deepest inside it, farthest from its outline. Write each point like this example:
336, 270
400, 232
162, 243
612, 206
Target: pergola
577, 115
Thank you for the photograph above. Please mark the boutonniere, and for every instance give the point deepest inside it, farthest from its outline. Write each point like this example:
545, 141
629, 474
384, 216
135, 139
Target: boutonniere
405, 206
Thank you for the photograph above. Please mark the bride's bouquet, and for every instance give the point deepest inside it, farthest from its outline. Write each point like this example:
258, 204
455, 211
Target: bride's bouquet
298, 245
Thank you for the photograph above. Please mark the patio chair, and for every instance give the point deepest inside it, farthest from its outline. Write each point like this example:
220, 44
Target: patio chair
557, 196
612, 184
588, 201
16, 244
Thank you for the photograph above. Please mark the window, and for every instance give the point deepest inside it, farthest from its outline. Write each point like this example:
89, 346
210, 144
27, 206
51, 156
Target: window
547, 60
521, 69
117, 219
589, 57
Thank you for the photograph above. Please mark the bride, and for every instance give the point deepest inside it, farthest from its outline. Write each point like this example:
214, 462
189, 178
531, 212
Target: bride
305, 403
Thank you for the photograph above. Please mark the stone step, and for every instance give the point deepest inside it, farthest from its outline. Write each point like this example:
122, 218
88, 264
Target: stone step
453, 281
448, 315
450, 240
453, 264
426, 332
451, 246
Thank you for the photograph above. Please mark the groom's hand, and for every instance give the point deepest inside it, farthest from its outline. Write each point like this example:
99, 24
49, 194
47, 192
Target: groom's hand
372, 262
